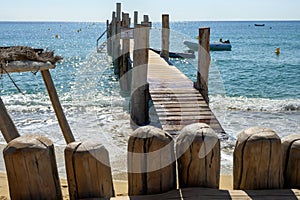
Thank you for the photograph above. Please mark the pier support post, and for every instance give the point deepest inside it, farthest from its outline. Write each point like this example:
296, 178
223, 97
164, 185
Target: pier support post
203, 63
7, 126
62, 120
139, 109
198, 157
165, 37
31, 168
108, 38
125, 81
291, 161
88, 171
257, 160
136, 18
151, 162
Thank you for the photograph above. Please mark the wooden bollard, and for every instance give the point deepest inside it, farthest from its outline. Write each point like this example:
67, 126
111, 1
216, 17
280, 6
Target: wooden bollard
31, 168
7, 126
198, 157
165, 38
151, 162
203, 63
139, 109
88, 171
291, 161
257, 160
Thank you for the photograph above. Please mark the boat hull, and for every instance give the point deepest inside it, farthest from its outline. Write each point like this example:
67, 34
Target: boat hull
217, 46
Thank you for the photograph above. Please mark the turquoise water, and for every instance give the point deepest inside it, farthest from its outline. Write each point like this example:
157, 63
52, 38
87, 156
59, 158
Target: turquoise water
248, 86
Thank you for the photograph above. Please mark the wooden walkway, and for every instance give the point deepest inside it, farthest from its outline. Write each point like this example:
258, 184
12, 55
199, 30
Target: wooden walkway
176, 101
207, 193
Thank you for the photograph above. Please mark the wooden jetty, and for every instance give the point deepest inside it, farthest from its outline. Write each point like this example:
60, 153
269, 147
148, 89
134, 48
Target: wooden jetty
176, 101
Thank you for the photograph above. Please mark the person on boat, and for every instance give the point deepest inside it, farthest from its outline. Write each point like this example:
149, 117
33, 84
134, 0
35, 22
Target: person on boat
221, 40
227, 42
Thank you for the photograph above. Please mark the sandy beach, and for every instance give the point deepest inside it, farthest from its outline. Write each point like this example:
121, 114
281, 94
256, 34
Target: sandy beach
119, 185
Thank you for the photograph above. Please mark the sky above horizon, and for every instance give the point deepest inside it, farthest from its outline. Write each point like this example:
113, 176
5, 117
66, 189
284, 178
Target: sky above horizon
188, 10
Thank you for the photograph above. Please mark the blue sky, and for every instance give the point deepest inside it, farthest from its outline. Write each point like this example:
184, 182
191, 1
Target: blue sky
183, 10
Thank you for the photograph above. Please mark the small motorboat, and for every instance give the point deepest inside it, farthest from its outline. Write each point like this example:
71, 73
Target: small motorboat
187, 55
259, 24
215, 46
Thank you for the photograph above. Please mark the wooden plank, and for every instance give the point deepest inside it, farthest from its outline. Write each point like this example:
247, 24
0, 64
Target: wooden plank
7, 126
62, 120
26, 66
208, 193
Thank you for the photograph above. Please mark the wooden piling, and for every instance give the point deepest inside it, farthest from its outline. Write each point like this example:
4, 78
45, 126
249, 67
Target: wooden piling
291, 161
135, 18
257, 160
165, 37
125, 80
203, 63
31, 168
198, 157
108, 37
62, 120
88, 171
151, 162
139, 110
7, 126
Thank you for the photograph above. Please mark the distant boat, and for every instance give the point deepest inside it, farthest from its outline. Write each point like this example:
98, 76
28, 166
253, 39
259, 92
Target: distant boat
259, 24
177, 55
216, 46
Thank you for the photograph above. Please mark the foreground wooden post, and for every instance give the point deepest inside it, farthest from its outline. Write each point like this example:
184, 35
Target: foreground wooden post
165, 38
7, 126
139, 110
88, 171
291, 161
151, 162
198, 157
31, 168
257, 160
203, 63
62, 120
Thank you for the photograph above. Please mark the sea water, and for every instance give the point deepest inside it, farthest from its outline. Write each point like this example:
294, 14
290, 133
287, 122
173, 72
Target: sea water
248, 86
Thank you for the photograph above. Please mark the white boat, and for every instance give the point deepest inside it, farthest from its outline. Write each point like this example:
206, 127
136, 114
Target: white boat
216, 46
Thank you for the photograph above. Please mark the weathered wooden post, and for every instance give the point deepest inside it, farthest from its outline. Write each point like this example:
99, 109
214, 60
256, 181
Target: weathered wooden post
136, 17
66, 130
291, 161
151, 162
165, 38
198, 157
203, 63
7, 126
257, 160
146, 21
88, 171
31, 168
139, 110
125, 67
108, 37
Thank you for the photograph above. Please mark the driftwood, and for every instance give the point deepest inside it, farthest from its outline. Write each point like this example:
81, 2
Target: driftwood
22, 53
